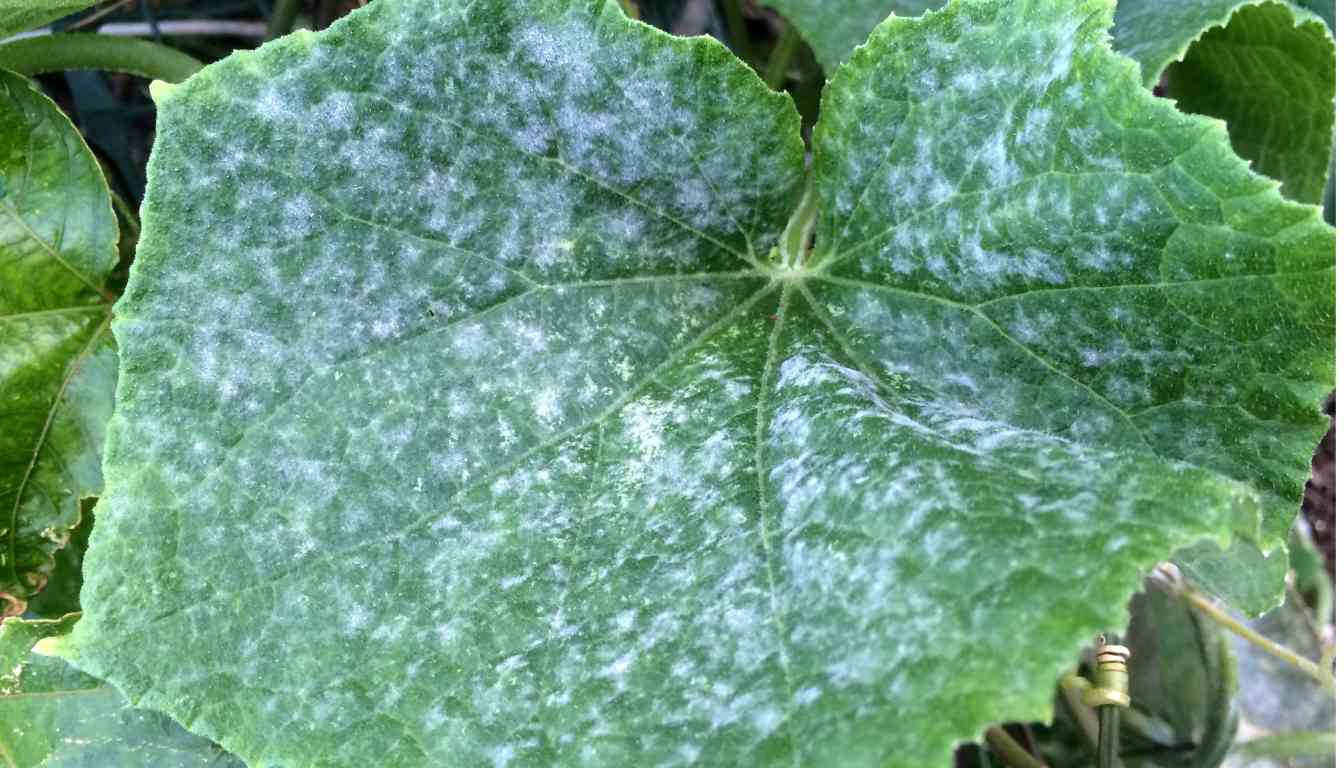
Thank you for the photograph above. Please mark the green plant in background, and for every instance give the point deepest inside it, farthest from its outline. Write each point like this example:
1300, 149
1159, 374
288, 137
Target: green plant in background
497, 387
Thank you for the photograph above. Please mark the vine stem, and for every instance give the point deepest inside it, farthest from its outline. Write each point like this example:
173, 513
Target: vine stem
1319, 671
798, 232
77, 50
1108, 740
737, 29
1006, 748
1072, 687
282, 18
781, 57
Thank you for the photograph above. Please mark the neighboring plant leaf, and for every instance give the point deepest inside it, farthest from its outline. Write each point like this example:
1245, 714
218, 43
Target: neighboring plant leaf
17, 638
53, 715
61, 594
833, 32
22, 15
463, 421
1242, 574
1182, 675
58, 366
1267, 68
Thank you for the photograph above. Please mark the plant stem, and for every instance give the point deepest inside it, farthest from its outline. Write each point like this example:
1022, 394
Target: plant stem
630, 8
1072, 687
282, 18
1007, 749
56, 53
1108, 743
738, 36
127, 214
781, 57
798, 233
1321, 673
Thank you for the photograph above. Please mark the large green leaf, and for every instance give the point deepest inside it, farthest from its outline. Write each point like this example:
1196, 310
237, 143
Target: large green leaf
57, 364
467, 415
1267, 68
22, 15
51, 715
834, 32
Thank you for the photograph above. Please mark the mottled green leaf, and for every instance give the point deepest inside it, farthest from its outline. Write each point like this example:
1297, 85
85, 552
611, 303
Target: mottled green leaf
834, 30
468, 416
53, 716
58, 365
22, 15
61, 594
1267, 68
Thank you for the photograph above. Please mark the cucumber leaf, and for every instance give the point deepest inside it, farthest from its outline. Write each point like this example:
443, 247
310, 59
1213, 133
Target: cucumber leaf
480, 403
58, 364
1267, 68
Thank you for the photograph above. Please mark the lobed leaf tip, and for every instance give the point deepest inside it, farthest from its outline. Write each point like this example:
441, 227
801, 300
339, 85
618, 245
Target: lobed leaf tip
159, 90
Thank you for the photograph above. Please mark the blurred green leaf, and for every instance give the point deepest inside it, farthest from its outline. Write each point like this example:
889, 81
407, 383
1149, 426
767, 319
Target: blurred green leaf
22, 15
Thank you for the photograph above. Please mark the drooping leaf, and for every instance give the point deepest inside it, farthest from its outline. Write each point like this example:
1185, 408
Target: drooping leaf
57, 361
60, 596
1241, 574
22, 15
17, 638
468, 415
1267, 68
53, 715
835, 30
1183, 677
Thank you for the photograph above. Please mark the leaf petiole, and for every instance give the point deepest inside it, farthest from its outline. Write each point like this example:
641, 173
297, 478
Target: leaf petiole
781, 57
1319, 671
79, 50
1006, 748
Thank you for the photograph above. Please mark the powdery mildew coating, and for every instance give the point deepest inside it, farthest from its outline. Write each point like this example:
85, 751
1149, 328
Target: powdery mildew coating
466, 420
1030, 194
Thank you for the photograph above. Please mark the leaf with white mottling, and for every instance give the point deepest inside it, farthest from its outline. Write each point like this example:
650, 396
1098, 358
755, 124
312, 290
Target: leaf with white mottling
1267, 68
469, 414
58, 364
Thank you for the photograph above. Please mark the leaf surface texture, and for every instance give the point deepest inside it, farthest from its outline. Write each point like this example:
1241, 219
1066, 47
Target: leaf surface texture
469, 413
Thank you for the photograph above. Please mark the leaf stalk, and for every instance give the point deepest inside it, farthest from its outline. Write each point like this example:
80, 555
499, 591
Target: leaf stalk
1006, 748
777, 68
80, 50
